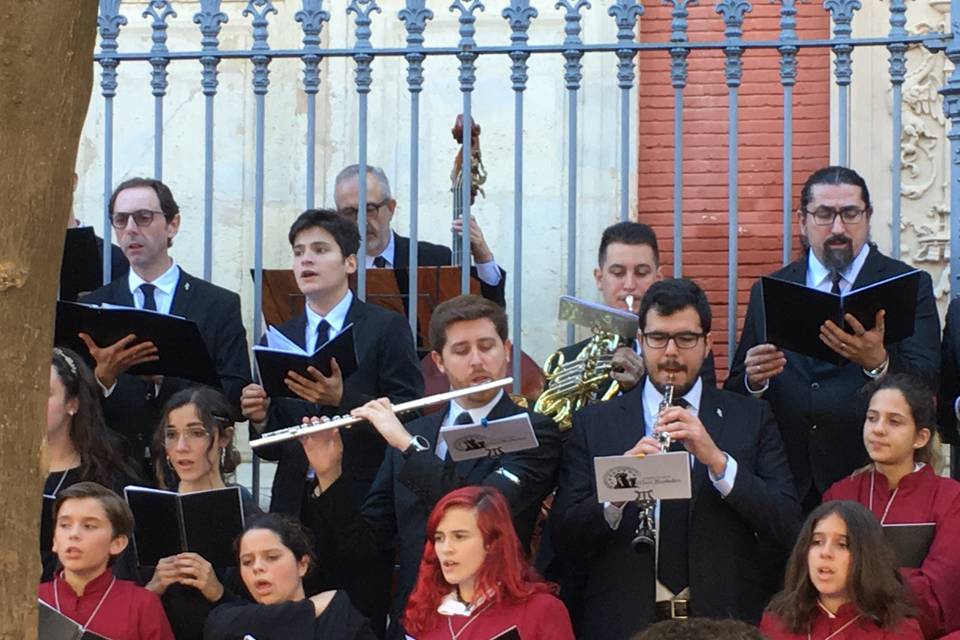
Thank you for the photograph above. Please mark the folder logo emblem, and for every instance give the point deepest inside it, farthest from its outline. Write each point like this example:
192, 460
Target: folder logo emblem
621, 478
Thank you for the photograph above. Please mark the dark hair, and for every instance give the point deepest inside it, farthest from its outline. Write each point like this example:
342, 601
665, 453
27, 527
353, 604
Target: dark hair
167, 204
293, 535
833, 175
505, 570
632, 233
672, 295
874, 583
344, 231
118, 512
214, 411
920, 400
700, 629
461, 308
101, 450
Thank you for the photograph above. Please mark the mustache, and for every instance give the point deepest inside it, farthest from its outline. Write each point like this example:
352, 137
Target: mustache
672, 366
837, 239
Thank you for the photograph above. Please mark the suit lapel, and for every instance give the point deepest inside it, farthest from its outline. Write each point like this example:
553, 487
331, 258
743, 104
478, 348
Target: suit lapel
401, 262
873, 269
182, 295
121, 292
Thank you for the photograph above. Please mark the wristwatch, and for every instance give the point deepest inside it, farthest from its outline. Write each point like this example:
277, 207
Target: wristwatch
417, 444
879, 370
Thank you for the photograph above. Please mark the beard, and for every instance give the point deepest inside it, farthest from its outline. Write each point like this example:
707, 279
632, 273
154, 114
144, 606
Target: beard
837, 256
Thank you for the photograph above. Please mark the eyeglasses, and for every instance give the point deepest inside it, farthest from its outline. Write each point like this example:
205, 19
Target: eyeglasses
824, 216
372, 209
194, 435
142, 218
686, 340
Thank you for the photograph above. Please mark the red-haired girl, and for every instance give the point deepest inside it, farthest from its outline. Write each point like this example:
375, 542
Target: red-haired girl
474, 582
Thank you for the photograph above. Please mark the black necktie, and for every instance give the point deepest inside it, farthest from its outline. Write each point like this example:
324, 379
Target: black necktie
835, 278
464, 418
149, 302
323, 333
380, 262
673, 567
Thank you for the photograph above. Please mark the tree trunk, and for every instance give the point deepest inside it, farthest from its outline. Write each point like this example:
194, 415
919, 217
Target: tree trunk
46, 73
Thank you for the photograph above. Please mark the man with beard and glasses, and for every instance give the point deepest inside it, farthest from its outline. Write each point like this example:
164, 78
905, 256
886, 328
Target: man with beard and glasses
705, 561
816, 403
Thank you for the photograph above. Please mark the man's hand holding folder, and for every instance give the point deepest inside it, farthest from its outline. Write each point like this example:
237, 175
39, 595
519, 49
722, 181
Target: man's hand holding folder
115, 359
318, 388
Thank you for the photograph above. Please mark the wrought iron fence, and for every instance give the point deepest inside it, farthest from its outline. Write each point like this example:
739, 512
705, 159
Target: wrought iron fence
312, 16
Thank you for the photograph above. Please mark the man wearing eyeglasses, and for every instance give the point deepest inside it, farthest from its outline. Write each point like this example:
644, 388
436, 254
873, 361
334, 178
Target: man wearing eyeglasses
387, 249
705, 560
145, 218
816, 403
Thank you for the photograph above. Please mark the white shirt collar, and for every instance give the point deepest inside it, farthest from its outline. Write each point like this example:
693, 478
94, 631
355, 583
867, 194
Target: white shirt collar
652, 398
452, 606
477, 414
387, 254
818, 274
336, 317
167, 282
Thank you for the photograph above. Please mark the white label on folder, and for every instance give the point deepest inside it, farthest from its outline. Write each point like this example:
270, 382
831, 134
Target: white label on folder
490, 438
662, 476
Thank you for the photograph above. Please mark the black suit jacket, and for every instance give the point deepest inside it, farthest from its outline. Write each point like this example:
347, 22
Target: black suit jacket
435, 255
817, 405
133, 409
950, 375
728, 577
395, 511
387, 367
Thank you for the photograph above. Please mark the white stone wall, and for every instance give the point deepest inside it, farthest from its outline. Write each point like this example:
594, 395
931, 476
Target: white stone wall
545, 187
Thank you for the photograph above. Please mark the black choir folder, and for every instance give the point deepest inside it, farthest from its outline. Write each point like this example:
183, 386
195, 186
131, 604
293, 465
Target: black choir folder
281, 355
911, 542
53, 625
179, 344
510, 634
82, 268
794, 312
168, 523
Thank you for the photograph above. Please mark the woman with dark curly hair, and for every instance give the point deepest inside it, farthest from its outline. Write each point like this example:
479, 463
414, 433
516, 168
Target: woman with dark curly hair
474, 582
842, 582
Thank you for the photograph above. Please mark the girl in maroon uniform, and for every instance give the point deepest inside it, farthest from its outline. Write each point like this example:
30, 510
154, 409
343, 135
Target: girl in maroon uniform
841, 582
474, 583
901, 487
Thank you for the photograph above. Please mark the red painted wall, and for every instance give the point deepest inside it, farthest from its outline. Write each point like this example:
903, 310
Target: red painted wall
705, 148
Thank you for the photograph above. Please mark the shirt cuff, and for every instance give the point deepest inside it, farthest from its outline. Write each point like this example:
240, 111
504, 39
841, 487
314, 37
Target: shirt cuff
489, 272
756, 393
724, 483
106, 392
873, 374
612, 514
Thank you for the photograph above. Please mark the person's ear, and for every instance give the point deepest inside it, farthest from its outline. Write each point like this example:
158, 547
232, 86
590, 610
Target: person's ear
708, 342
598, 277
303, 565
118, 544
437, 358
351, 263
225, 438
921, 438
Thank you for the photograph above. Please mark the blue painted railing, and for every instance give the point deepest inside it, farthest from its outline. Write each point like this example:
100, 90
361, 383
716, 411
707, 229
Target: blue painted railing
519, 15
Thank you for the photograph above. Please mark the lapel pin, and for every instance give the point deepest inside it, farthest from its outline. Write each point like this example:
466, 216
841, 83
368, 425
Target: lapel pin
186, 286
719, 412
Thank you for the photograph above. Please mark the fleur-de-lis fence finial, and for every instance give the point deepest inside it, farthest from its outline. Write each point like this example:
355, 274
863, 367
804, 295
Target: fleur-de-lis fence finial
258, 11
733, 12
210, 19
467, 30
678, 36
109, 22
842, 13
519, 14
788, 36
311, 17
159, 10
625, 13
414, 16
573, 70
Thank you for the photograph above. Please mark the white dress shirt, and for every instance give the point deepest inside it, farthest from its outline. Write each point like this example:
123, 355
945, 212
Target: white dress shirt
488, 272
336, 318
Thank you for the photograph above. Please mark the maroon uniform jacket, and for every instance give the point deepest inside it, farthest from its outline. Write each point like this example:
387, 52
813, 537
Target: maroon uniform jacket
921, 496
823, 626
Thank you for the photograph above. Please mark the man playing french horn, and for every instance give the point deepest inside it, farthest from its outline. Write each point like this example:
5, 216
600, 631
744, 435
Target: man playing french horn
628, 262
